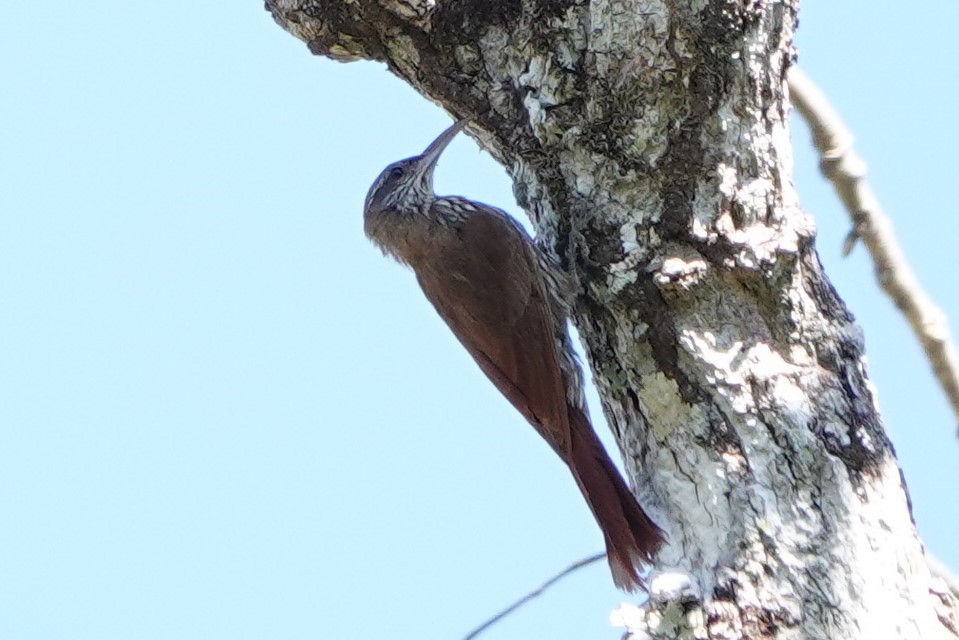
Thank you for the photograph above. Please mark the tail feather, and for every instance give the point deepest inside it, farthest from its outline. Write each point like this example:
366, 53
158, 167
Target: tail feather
631, 537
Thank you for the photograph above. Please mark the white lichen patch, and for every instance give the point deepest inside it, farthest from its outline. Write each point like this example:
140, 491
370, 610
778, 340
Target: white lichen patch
567, 55
627, 234
679, 272
581, 169
673, 586
466, 55
703, 345
620, 276
728, 179
628, 616
766, 364
414, 9
546, 88
647, 137
404, 53
662, 403
878, 532
504, 59
791, 397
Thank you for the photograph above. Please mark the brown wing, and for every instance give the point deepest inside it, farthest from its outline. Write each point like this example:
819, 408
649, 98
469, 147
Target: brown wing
483, 281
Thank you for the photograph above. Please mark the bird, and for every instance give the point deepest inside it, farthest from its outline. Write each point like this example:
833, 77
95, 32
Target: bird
507, 301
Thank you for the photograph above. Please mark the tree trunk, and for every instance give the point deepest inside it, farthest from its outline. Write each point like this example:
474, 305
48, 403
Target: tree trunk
649, 143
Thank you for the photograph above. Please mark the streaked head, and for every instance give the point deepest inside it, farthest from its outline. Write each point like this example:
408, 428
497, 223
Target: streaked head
409, 183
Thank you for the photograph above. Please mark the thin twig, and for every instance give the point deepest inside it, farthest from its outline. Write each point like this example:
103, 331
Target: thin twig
579, 564
847, 172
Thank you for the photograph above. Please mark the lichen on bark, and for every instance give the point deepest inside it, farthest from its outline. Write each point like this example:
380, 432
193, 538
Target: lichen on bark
648, 141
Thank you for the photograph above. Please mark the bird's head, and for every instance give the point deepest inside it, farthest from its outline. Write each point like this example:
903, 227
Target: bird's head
408, 184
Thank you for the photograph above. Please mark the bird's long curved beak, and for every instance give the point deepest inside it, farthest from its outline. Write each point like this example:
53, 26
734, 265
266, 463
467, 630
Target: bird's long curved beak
432, 154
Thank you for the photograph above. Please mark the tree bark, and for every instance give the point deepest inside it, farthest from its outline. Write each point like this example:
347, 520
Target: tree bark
649, 143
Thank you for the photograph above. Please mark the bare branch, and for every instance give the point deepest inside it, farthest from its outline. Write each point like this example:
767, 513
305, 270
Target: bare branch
847, 171
579, 564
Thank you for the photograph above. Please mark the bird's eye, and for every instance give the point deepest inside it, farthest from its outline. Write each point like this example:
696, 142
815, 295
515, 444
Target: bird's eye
397, 172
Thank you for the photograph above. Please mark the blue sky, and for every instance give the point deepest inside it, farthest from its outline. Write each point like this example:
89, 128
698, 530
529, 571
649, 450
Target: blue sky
225, 415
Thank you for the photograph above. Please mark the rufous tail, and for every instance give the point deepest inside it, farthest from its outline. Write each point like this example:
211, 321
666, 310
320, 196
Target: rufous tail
631, 537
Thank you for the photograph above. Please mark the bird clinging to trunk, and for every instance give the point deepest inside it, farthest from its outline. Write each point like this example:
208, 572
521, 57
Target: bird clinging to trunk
508, 303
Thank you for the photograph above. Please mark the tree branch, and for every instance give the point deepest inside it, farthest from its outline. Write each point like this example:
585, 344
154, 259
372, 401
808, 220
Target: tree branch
847, 171
579, 564
647, 140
